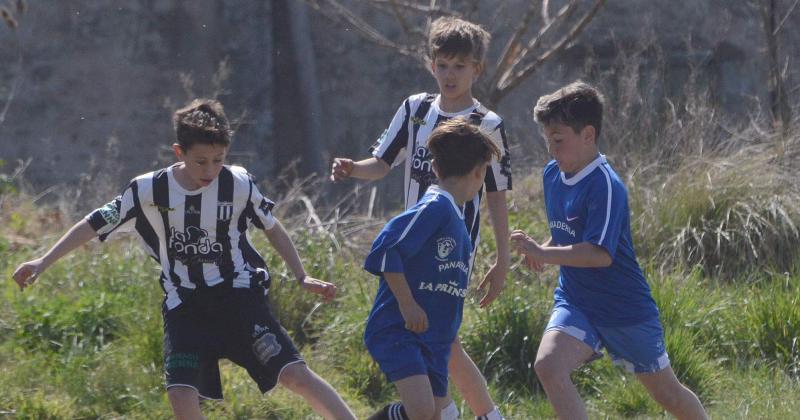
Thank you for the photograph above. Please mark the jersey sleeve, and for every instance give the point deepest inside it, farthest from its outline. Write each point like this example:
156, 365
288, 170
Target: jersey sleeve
391, 146
402, 237
606, 210
118, 215
498, 175
260, 208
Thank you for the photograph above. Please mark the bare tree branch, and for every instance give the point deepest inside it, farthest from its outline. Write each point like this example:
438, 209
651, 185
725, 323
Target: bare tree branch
517, 78
788, 13
512, 48
339, 13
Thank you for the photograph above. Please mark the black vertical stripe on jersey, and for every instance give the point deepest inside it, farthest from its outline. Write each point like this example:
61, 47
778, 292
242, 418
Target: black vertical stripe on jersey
399, 141
250, 256
472, 219
161, 200
195, 267
225, 195
506, 155
143, 226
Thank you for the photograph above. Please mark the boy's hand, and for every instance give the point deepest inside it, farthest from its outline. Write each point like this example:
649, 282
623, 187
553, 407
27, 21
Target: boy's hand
528, 247
341, 169
322, 288
28, 272
496, 280
415, 317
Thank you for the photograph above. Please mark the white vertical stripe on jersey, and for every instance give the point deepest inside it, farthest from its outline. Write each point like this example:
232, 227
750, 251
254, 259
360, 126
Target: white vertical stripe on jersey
608, 204
208, 222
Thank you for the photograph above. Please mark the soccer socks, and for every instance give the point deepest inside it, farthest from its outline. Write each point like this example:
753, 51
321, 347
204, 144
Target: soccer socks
394, 411
450, 412
492, 415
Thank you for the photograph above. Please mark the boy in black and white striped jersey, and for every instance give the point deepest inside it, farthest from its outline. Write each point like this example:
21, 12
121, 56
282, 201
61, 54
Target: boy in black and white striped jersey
457, 50
192, 218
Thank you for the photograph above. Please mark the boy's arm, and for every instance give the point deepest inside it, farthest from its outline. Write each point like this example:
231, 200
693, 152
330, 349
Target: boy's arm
283, 244
369, 169
495, 279
76, 236
583, 254
414, 316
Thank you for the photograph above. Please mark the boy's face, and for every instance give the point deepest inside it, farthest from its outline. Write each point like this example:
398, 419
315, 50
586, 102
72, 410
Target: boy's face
570, 149
455, 75
202, 162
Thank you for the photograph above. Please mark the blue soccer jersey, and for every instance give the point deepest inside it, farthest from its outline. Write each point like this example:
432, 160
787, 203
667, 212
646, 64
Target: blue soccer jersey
592, 206
430, 245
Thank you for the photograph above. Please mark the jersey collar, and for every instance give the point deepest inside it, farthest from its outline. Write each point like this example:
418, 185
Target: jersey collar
465, 111
173, 183
438, 190
601, 159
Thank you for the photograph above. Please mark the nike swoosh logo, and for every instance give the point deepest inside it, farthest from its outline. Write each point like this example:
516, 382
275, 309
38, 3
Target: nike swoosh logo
569, 219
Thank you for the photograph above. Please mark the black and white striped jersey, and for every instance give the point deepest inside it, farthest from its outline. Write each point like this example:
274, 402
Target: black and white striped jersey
199, 237
406, 140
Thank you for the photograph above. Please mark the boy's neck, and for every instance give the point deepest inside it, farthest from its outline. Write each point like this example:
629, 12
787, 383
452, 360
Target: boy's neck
455, 104
458, 189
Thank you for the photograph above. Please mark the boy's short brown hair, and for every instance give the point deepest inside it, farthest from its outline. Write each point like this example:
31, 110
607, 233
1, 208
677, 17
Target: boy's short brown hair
458, 146
202, 121
576, 105
450, 36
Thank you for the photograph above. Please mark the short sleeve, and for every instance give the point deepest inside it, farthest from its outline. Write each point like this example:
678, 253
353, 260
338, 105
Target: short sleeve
403, 237
498, 175
261, 208
391, 146
118, 215
606, 210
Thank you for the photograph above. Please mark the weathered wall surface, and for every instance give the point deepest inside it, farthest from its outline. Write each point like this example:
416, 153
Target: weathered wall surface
102, 77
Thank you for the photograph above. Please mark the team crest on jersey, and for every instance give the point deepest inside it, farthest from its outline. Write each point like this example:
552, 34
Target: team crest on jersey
266, 348
193, 246
444, 246
224, 210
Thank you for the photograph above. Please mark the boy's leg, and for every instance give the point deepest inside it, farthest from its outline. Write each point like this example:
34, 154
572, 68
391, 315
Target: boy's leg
468, 380
559, 354
318, 393
678, 400
185, 403
417, 396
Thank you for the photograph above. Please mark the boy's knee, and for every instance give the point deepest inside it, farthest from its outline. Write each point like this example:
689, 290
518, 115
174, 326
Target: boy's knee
548, 370
296, 376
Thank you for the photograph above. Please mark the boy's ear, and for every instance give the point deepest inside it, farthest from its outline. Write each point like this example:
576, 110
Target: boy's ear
479, 68
435, 167
589, 133
178, 151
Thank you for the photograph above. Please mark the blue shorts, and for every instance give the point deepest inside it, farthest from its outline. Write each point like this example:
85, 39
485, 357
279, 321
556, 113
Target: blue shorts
401, 354
638, 348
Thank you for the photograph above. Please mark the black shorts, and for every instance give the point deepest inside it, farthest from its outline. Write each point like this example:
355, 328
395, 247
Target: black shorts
229, 323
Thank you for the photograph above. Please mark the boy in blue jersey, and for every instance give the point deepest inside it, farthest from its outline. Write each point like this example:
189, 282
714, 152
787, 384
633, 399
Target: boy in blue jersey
422, 257
193, 219
457, 51
602, 298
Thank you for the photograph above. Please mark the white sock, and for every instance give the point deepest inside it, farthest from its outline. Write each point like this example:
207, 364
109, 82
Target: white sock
450, 412
492, 415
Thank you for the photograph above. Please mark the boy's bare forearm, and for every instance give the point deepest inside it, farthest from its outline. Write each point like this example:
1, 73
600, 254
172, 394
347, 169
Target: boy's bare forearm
399, 286
498, 215
77, 235
584, 255
370, 169
280, 240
